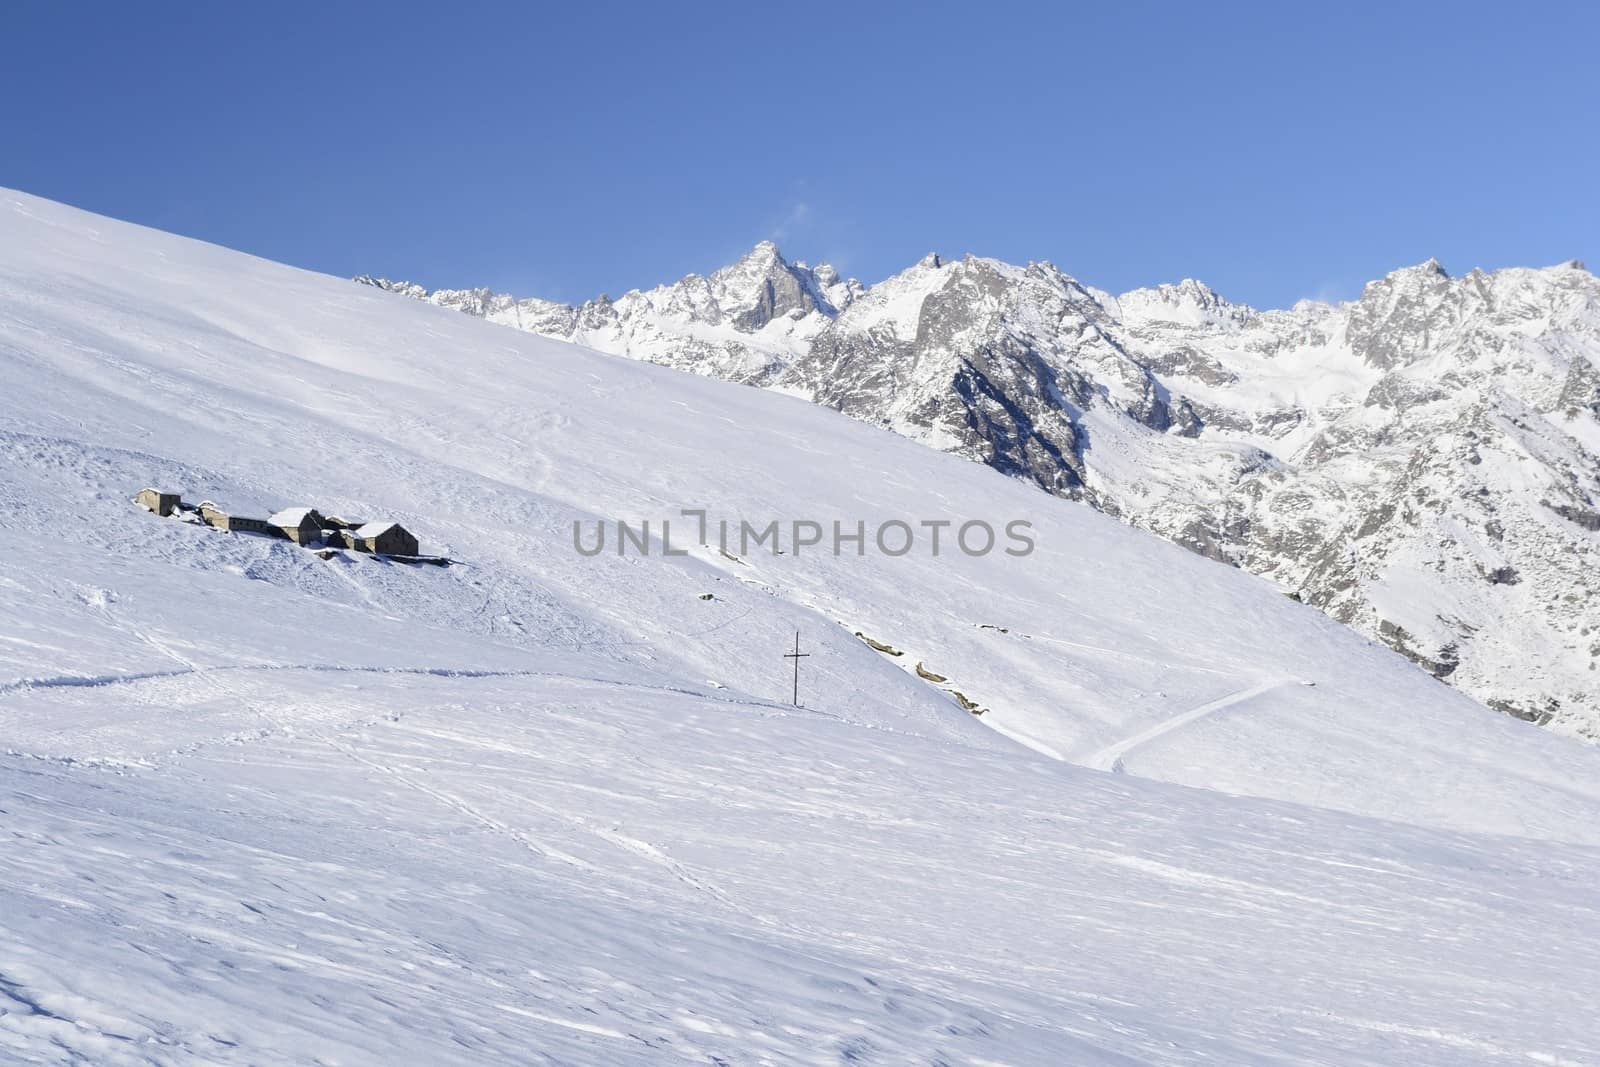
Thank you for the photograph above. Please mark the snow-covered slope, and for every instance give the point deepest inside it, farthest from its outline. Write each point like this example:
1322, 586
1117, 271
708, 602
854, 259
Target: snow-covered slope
543, 807
1421, 463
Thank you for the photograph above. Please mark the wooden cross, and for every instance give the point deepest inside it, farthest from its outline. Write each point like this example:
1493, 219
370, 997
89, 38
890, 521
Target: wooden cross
797, 656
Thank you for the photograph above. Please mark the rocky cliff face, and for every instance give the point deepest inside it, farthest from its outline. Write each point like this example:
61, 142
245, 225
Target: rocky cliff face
1420, 463
1434, 454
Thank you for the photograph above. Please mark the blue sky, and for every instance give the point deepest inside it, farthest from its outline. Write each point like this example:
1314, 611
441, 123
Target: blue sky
562, 151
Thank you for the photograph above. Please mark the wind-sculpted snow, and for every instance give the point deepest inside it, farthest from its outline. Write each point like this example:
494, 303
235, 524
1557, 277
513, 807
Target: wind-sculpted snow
488, 871
1423, 463
261, 807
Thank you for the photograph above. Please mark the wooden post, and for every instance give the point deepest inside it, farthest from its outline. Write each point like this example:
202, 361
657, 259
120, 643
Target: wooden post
797, 656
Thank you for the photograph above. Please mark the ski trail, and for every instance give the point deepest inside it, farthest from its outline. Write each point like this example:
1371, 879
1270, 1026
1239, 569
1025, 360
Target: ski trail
612, 836
218, 681
1110, 757
217, 678
451, 800
191, 668
224, 679
310, 729
360, 587
650, 853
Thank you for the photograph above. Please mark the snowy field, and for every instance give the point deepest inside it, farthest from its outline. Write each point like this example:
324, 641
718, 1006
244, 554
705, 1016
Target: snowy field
265, 808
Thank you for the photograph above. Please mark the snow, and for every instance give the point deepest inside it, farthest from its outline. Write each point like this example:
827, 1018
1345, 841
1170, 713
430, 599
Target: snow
1307, 446
289, 517
375, 529
895, 303
265, 808
1189, 303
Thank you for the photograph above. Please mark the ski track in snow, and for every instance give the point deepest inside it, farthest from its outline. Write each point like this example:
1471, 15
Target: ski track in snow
1110, 757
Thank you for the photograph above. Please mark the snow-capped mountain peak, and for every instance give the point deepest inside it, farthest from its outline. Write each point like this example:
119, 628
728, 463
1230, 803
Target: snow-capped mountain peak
763, 285
1188, 303
1392, 459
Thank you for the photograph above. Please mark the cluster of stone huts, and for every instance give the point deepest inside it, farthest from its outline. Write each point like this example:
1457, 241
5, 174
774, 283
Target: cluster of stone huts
303, 526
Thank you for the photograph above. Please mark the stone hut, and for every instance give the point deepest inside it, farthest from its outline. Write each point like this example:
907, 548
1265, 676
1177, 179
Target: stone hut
215, 517
155, 500
389, 538
303, 526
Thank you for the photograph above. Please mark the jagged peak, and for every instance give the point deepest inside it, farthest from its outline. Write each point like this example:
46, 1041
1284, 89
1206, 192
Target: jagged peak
405, 287
1403, 282
1432, 268
970, 260
764, 260
1043, 268
764, 253
1189, 289
1189, 302
1195, 287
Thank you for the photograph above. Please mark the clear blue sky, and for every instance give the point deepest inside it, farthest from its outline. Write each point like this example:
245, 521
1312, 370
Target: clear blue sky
1276, 150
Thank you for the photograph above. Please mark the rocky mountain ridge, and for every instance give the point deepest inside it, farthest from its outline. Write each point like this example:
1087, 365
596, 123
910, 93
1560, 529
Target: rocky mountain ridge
1421, 462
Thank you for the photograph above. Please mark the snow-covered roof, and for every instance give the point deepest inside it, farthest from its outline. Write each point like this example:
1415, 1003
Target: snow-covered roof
290, 517
375, 529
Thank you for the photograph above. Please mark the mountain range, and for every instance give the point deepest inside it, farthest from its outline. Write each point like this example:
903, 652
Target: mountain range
1420, 463
1109, 802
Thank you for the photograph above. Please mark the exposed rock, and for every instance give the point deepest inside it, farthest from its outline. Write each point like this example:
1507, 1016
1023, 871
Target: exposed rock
1396, 451
879, 646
